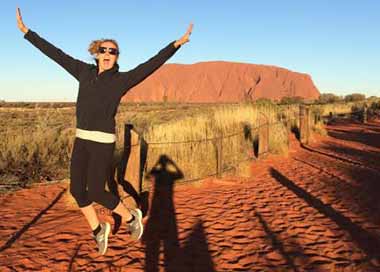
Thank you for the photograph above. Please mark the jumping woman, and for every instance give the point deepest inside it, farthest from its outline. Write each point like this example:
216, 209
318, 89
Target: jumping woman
101, 87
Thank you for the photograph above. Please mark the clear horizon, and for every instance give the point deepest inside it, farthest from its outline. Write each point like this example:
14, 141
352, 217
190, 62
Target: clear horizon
336, 43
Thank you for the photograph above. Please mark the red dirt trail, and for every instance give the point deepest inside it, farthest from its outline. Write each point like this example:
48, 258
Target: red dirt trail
315, 210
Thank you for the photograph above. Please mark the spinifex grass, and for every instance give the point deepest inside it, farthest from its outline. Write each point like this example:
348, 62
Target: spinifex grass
337, 108
192, 142
37, 143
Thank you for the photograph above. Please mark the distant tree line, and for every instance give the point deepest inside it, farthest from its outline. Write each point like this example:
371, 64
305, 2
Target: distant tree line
3, 103
324, 98
332, 98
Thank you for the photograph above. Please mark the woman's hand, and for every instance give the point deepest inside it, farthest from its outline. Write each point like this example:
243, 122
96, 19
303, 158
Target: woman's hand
20, 23
185, 38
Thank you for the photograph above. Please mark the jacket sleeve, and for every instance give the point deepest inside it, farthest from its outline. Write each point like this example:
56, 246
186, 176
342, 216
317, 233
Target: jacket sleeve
142, 71
71, 65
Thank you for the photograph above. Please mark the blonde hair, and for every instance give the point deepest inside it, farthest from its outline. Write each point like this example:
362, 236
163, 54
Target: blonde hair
93, 48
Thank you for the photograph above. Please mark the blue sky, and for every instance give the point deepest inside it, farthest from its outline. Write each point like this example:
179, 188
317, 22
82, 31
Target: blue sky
336, 42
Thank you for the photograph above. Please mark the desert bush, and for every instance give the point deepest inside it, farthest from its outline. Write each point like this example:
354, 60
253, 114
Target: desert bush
374, 109
375, 105
291, 100
354, 97
326, 98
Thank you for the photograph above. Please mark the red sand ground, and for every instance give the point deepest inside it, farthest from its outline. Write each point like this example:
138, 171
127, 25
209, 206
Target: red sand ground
316, 210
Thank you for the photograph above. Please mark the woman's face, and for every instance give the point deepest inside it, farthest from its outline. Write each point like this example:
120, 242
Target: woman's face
107, 55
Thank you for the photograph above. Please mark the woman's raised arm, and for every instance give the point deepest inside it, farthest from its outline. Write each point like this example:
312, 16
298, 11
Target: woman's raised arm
71, 65
142, 71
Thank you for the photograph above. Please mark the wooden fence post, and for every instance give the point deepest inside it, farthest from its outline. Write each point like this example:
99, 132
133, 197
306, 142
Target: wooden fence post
365, 114
263, 136
219, 151
288, 126
132, 147
304, 124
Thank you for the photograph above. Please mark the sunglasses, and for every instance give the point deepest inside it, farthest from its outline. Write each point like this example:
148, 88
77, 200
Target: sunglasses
112, 51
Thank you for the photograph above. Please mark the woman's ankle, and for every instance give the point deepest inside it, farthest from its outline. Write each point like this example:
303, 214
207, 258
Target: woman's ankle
130, 219
123, 212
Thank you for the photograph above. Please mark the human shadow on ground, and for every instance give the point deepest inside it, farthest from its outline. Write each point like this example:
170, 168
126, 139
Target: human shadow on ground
161, 228
369, 243
195, 255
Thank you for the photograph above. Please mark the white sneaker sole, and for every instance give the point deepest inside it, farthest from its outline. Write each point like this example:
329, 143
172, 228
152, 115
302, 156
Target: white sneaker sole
139, 214
107, 232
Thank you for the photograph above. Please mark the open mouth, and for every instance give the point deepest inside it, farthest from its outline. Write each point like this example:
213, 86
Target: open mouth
106, 61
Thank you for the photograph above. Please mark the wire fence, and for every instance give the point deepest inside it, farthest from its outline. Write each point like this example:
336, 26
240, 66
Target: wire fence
262, 133
228, 156
241, 154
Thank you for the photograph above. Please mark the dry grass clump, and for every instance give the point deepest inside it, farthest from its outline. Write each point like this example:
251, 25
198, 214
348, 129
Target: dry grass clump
279, 139
193, 142
319, 128
186, 142
34, 149
337, 108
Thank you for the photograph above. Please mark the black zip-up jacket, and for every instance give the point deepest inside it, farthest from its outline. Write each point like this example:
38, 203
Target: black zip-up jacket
99, 95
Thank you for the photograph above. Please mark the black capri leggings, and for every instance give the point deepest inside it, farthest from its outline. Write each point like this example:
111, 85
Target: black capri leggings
89, 170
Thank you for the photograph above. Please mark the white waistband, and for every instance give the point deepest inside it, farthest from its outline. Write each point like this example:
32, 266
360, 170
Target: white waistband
96, 136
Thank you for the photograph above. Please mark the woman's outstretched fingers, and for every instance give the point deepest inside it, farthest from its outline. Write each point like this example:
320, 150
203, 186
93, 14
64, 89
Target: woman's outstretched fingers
190, 29
20, 23
188, 33
185, 38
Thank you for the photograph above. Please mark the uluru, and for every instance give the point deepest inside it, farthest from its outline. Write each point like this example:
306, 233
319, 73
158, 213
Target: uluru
221, 81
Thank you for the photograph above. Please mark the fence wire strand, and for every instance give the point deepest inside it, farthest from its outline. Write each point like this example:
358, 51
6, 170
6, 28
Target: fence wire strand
268, 125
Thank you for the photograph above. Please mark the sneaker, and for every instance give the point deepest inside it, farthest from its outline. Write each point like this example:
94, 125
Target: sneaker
136, 227
102, 237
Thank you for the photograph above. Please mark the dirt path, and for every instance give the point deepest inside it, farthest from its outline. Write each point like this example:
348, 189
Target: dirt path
316, 210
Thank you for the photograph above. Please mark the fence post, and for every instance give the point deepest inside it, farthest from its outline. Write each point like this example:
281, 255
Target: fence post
365, 112
289, 125
304, 124
263, 136
132, 148
219, 159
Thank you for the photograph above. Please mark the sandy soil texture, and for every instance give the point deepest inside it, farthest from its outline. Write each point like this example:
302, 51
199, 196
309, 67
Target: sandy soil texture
316, 210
